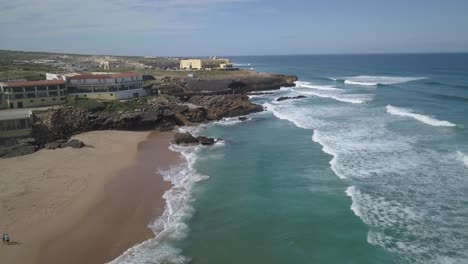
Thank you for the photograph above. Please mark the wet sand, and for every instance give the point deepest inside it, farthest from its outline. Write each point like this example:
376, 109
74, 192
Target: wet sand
87, 205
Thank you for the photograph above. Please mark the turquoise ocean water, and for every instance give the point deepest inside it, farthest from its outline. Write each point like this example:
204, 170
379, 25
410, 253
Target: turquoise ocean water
372, 167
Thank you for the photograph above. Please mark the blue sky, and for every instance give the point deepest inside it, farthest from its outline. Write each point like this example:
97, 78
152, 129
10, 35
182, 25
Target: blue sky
234, 27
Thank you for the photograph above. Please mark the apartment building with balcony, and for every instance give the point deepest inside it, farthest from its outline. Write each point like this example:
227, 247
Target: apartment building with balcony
30, 94
115, 86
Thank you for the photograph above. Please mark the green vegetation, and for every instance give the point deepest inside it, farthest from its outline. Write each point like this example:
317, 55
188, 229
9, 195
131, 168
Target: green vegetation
87, 104
27, 65
130, 105
107, 106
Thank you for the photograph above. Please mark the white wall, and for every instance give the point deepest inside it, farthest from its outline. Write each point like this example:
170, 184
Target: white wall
107, 81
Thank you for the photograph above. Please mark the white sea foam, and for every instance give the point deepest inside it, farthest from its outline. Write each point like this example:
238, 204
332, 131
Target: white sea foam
462, 157
412, 198
366, 80
422, 118
302, 84
342, 97
171, 226
230, 121
394, 226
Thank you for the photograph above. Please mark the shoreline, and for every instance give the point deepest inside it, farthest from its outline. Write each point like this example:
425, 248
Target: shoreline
112, 194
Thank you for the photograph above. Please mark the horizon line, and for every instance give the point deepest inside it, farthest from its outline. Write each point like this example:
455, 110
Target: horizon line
250, 55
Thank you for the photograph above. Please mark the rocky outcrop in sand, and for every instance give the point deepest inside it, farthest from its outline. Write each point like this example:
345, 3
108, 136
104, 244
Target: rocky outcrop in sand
188, 139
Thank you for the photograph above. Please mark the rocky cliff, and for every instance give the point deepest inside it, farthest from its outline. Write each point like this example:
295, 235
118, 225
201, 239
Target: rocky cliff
61, 122
241, 82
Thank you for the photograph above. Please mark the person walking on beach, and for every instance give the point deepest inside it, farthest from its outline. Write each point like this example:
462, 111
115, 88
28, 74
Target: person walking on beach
5, 238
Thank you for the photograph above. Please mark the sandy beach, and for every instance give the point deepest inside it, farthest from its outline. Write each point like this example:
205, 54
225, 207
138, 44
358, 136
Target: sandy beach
84, 205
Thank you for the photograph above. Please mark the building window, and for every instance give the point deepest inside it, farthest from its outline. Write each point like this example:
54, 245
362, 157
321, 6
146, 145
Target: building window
53, 93
10, 125
22, 124
62, 99
30, 89
31, 95
42, 88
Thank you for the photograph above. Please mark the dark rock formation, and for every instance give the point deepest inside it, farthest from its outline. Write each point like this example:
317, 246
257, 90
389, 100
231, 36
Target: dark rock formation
243, 118
53, 145
260, 93
205, 140
185, 139
234, 82
74, 143
188, 139
20, 149
290, 98
240, 83
219, 106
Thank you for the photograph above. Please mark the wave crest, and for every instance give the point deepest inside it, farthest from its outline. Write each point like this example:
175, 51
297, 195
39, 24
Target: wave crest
302, 84
422, 118
366, 80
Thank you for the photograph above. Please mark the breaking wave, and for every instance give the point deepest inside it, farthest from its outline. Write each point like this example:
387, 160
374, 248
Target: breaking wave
229, 121
342, 97
302, 84
365, 80
422, 118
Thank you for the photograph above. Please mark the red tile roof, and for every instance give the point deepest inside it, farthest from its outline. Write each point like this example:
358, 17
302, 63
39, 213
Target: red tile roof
105, 76
34, 83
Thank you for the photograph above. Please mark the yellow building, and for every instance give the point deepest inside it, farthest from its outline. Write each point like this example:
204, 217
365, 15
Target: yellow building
29, 94
205, 64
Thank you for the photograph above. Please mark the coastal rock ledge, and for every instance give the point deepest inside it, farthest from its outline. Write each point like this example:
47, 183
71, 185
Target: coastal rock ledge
188, 139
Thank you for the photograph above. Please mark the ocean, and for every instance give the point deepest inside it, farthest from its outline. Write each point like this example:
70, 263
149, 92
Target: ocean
370, 167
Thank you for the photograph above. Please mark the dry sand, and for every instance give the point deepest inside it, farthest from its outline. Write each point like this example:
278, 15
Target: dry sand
83, 205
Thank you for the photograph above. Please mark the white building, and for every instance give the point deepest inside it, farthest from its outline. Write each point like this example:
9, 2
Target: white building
115, 86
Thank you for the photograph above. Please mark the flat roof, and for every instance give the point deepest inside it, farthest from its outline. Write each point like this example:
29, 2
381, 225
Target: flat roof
33, 83
15, 114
